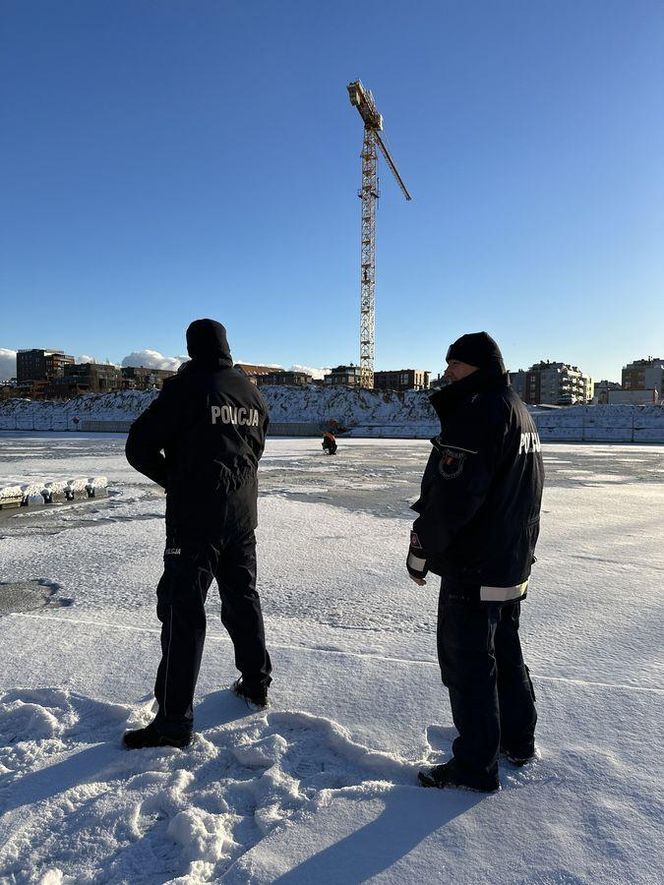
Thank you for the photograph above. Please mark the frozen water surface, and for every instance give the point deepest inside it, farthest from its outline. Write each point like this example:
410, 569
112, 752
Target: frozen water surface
321, 787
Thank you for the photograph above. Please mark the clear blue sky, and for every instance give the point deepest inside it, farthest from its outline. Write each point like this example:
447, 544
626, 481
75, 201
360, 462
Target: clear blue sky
163, 160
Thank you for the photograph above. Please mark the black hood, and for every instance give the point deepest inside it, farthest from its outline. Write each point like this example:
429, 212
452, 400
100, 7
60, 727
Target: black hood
207, 344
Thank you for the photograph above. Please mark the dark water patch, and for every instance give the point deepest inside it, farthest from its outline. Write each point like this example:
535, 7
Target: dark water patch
26, 596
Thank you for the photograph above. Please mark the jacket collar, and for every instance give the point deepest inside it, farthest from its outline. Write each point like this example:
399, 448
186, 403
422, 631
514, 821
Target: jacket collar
448, 399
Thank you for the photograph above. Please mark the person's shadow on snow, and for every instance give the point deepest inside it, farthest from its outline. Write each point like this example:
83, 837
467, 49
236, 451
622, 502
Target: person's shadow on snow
94, 763
108, 760
410, 815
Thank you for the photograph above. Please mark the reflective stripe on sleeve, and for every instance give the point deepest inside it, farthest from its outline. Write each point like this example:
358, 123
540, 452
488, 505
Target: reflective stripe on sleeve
503, 594
416, 563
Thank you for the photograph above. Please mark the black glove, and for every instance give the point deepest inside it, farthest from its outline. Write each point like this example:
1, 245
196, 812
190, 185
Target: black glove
416, 562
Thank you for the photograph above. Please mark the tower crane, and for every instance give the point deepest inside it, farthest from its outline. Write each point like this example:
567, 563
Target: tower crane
363, 100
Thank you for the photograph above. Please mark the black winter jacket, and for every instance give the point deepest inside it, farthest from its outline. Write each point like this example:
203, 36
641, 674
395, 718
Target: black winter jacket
481, 491
201, 439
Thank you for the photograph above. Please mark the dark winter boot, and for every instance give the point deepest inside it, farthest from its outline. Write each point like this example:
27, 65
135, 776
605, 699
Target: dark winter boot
254, 694
448, 775
519, 757
150, 736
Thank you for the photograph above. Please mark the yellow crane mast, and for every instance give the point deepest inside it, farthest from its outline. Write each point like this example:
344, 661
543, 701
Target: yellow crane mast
363, 100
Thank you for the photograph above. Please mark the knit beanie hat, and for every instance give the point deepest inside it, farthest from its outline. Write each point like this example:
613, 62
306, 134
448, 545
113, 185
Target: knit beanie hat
477, 349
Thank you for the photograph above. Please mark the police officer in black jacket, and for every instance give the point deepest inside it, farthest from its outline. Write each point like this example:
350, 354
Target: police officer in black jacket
201, 439
477, 528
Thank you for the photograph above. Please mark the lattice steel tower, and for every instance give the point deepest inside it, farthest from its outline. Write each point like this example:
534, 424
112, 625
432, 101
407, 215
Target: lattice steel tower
363, 100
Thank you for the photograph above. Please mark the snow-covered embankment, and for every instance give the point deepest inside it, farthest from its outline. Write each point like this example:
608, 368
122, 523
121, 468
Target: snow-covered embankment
304, 411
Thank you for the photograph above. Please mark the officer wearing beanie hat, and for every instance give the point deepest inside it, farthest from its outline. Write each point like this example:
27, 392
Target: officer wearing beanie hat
477, 349
477, 526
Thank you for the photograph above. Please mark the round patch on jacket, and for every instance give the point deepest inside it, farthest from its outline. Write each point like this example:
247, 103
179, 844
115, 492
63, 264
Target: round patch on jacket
451, 463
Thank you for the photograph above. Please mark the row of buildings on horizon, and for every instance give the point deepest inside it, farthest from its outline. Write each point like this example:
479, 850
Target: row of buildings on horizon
52, 374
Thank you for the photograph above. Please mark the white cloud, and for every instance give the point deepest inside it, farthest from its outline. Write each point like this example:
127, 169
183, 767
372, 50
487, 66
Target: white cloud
277, 366
84, 358
152, 359
7, 364
317, 374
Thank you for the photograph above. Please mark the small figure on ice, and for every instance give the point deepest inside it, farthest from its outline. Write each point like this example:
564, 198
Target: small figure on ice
329, 443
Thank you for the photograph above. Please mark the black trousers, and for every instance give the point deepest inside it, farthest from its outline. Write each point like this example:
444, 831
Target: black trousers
189, 568
491, 694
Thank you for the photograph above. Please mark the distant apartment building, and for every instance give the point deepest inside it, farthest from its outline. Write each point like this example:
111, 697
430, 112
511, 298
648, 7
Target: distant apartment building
286, 378
639, 397
552, 383
345, 376
256, 374
647, 374
143, 378
602, 391
85, 378
519, 381
80, 378
41, 365
439, 381
403, 379
8, 389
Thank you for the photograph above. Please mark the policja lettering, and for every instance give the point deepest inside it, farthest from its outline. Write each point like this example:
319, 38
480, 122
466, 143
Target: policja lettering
234, 415
530, 442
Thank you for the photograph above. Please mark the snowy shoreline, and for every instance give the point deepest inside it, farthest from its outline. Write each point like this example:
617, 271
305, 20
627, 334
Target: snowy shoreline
365, 414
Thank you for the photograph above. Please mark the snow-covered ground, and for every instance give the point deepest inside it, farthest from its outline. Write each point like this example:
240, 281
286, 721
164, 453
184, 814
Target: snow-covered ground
321, 787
